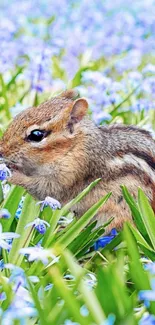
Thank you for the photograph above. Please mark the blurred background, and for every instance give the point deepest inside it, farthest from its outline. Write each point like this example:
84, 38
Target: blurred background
104, 48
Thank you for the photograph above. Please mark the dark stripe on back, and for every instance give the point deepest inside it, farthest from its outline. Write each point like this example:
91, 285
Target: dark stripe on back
143, 155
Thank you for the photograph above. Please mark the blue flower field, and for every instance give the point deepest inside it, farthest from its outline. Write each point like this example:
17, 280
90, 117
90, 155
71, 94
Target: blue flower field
56, 270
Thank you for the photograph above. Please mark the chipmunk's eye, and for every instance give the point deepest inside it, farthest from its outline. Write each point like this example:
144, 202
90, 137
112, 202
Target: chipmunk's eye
37, 135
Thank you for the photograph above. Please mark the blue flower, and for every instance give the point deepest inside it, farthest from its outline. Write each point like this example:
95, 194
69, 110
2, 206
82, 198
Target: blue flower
49, 201
84, 311
150, 267
149, 68
103, 241
39, 224
19, 209
148, 295
65, 221
69, 322
1, 265
6, 236
48, 287
3, 175
38, 253
4, 214
147, 319
110, 320
18, 276
101, 116
4, 172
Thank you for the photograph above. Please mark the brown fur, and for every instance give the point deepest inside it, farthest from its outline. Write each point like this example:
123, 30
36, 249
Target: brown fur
75, 153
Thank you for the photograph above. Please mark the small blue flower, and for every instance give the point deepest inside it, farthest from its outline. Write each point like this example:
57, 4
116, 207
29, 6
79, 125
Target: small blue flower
2, 296
1, 265
39, 224
69, 322
6, 236
149, 68
19, 209
49, 201
105, 240
18, 213
110, 320
38, 253
4, 172
150, 267
9, 242
148, 295
64, 220
101, 116
48, 287
4, 214
84, 311
147, 319
3, 175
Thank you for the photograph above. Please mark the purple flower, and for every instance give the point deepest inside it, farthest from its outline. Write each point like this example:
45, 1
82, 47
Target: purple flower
105, 240
141, 104
39, 224
49, 201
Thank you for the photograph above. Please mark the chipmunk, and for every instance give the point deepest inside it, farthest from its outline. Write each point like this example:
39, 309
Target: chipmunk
56, 150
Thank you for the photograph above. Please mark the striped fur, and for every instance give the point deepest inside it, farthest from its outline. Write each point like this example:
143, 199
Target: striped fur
75, 153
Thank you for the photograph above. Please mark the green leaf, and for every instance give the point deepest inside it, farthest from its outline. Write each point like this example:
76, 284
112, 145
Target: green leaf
91, 300
147, 252
112, 293
139, 238
1, 193
13, 79
81, 239
58, 213
77, 227
5, 96
11, 204
138, 275
67, 295
42, 315
135, 211
30, 211
148, 216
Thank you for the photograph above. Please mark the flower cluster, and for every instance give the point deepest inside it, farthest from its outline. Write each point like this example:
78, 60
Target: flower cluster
31, 37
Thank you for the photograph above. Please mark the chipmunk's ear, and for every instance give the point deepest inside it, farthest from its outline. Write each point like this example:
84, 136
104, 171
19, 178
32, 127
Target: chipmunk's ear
79, 110
70, 94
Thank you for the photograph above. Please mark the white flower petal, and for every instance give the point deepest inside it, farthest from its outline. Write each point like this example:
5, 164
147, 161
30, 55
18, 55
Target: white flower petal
9, 235
4, 245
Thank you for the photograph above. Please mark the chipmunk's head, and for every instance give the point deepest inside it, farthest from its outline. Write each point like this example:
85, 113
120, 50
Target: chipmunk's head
40, 137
